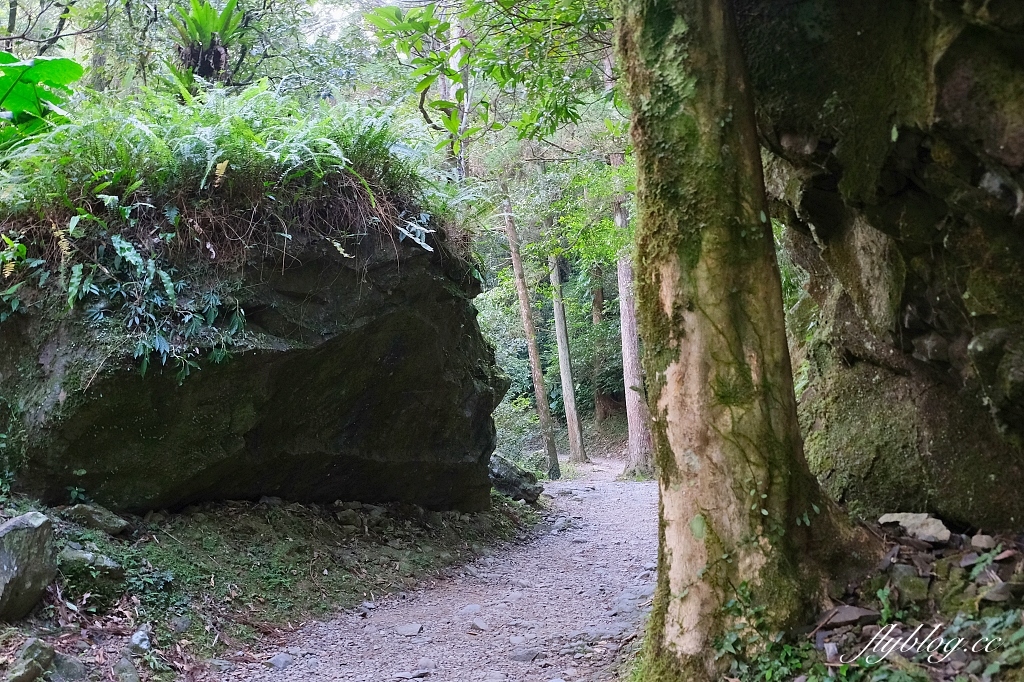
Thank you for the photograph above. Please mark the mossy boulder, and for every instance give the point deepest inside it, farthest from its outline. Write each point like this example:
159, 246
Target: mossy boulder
893, 136
881, 441
92, 573
34, 659
910, 587
514, 481
28, 563
96, 517
361, 375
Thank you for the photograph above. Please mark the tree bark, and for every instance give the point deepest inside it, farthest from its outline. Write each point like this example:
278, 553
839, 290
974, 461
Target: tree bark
739, 509
12, 23
526, 314
641, 446
98, 60
577, 453
604, 405
640, 455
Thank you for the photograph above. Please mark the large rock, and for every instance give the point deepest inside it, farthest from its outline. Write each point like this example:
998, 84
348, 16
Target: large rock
516, 482
34, 659
95, 516
91, 573
998, 358
28, 563
919, 526
67, 669
125, 671
893, 134
359, 378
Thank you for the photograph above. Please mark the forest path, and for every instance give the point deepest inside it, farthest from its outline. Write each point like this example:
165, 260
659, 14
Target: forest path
555, 608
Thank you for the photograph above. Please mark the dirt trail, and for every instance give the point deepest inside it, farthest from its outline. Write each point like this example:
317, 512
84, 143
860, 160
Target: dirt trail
556, 608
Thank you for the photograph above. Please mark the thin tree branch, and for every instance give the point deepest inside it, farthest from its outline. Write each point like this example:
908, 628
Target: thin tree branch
56, 35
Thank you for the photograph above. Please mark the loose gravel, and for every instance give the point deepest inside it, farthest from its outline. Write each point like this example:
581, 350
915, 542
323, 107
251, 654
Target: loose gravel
557, 608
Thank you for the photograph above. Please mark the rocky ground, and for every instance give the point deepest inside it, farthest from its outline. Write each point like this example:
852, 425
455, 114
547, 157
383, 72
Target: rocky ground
560, 607
158, 597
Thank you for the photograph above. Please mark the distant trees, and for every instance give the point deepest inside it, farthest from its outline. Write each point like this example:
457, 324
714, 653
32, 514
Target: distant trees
536, 370
577, 453
490, 75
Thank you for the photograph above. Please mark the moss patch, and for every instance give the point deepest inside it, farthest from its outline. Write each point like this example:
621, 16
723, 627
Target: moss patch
864, 448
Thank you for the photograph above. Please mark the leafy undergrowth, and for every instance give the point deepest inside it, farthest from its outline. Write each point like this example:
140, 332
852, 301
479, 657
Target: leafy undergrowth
212, 581
142, 213
610, 438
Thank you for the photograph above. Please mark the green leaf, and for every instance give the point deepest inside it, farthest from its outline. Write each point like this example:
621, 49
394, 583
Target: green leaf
168, 286
226, 15
423, 70
426, 82
180, 28
451, 122
73, 227
74, 283
383, 23
443, 104
31, 88
126, 251
232, 28
11, 290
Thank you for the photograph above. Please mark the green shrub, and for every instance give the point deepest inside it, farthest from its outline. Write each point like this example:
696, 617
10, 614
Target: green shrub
141, 211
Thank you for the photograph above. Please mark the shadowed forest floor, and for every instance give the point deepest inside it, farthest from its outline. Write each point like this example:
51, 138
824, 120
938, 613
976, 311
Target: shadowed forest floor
560, 607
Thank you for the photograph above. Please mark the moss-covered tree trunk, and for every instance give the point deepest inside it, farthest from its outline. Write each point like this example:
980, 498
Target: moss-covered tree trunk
736, 494
641, 446
540, 391
577, 453
640, 454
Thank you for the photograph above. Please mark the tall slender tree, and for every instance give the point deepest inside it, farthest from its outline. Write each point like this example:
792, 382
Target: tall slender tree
540, 391
640, 457
739, 508
577, 453
604, 405
640, 460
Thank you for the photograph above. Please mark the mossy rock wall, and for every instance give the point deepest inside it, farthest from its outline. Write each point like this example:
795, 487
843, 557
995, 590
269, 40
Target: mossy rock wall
360, 378
893, 135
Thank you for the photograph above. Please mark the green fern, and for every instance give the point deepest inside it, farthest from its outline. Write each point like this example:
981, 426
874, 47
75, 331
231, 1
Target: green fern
201, 24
